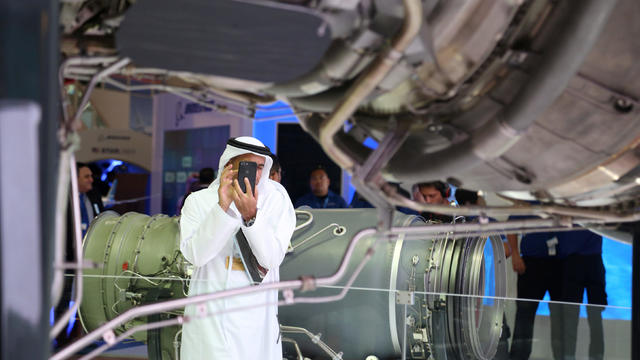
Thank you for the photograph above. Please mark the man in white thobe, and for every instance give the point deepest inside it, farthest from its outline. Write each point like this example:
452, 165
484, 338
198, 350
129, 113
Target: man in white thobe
209, 221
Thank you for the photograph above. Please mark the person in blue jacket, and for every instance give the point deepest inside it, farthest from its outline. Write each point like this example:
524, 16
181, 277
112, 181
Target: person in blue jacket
583, 270
320, 196
539, 265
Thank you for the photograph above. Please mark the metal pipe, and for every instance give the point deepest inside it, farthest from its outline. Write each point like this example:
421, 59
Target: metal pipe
176, 91
172, 89
343, 293
111, 340
184, 93
81, 71
94, 80
345, 258
492, 228
399, 200
367, 82
561, 61
61, 193
58, 280
295, 345
167, 306
176, 345
307, 222
523, 230
94, 60
314, 338
404, 334
226, 95
62, 201
63, 97
77, 232
145, 327
302, 242
78, 77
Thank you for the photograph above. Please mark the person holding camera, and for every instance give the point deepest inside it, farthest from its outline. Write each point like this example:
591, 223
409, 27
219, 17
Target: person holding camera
236, 234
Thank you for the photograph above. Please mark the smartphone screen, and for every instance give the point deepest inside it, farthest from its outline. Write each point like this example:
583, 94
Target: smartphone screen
247, 169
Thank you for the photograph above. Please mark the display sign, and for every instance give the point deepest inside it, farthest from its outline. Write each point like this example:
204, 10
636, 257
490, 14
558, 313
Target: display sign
125, 145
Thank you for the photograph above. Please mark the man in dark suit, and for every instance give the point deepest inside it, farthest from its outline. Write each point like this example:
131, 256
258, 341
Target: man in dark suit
90, 201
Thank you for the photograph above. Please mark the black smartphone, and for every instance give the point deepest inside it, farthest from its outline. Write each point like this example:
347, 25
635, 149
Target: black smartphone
247, 169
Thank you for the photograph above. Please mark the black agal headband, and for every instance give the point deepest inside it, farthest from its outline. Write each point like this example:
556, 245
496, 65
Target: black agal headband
263, 150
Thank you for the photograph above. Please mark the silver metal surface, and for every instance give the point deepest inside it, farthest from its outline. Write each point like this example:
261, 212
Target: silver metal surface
410, 261
23, 296
481, 83
395, 262
367, 82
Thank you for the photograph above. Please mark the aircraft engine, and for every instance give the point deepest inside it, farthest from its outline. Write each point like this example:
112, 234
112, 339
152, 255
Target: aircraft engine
407, 295
138, 261
472, 87
416, 271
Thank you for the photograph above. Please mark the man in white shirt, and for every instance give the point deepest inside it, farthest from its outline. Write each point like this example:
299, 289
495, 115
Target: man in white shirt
209, 222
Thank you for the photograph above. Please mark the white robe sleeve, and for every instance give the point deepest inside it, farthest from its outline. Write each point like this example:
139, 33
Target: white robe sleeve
204, 230
270, 234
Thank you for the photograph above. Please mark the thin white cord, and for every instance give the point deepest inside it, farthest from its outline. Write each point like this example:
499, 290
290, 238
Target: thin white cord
146, 278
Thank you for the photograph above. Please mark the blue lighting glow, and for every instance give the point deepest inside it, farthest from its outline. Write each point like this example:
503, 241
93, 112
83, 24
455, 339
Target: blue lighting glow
266, 122
111, 166
370, 143
72, 320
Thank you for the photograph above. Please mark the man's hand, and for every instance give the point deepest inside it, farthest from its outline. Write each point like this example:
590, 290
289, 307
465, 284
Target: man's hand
245, 202
507, 250
518, 263
226, 191
417, 195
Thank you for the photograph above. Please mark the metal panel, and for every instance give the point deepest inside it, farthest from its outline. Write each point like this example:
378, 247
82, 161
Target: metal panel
28, 70
20, 247
227, 38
